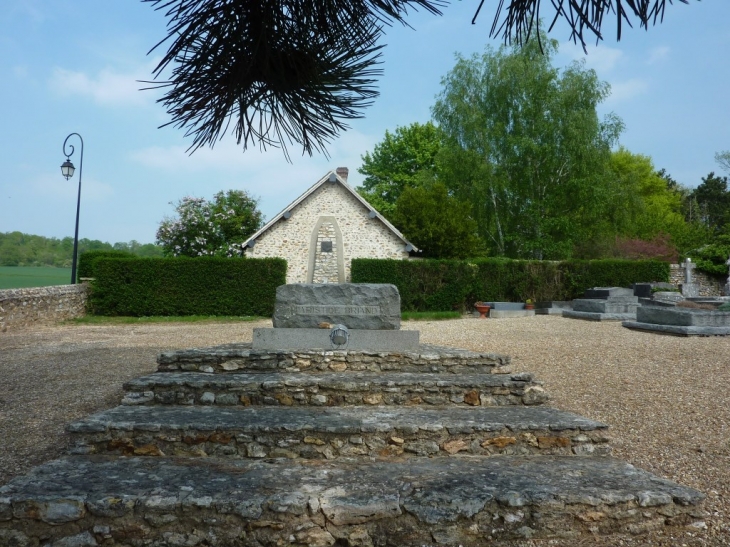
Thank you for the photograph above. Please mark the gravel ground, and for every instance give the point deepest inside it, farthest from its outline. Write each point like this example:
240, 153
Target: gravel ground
665, 398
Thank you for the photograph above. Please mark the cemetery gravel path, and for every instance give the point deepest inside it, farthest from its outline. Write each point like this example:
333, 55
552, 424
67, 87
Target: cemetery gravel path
666, 399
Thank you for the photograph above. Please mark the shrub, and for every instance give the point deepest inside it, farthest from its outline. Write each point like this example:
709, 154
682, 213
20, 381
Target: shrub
186, 286
660, 247
445, 285
712, 258
87, 261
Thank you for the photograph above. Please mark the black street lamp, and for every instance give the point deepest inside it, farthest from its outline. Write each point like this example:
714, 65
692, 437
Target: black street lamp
67, 170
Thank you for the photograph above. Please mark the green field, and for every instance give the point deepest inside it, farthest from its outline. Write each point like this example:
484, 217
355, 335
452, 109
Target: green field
18, 277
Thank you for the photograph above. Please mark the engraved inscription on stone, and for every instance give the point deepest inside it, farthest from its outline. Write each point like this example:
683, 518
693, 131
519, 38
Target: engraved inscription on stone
335, 310
368, 306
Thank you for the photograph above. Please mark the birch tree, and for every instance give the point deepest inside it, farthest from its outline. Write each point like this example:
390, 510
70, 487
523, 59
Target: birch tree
525, 146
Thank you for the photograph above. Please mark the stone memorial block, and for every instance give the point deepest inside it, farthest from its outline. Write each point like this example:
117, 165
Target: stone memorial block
642, 290
606, 292
367, 306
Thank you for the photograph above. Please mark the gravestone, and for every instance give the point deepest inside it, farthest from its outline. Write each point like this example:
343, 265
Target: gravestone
605, 304
306, 313
689, 288
369, 306
680, 321
553, 307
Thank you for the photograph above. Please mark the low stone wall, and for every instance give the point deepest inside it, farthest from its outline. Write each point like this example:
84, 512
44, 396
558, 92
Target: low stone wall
41, 305
708, 285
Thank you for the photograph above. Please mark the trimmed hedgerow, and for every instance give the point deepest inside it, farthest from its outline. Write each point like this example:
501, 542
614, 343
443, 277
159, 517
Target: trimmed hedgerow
185, 286
444, 285
88, 259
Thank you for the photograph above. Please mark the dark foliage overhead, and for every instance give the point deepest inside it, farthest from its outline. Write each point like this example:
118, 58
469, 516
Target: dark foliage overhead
280, 72
516, 20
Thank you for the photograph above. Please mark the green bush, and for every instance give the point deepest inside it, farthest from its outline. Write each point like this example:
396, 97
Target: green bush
88, 259
712, 258
185, 286
445, 285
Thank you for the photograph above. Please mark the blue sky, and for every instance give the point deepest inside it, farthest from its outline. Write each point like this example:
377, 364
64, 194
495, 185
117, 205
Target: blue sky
73, 65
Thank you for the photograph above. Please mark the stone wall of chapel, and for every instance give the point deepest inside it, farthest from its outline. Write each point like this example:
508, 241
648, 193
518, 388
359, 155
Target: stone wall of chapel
362, 237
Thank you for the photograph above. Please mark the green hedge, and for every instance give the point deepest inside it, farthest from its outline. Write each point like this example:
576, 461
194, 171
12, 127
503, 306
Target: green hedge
185, 286
88, 259
443, 285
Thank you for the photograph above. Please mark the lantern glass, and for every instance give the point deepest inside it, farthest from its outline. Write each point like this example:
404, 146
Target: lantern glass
67, 169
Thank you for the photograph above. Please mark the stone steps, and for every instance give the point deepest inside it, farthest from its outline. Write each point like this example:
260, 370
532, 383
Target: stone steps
333, 432
94, 500
328, 389
320, 448
241, 358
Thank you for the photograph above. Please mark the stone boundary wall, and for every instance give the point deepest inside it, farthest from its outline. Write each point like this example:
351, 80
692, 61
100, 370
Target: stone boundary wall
708, 285
41, 305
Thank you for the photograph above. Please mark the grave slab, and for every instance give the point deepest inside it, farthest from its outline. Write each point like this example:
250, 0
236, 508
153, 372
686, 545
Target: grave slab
592, 316
605, 292
553, 307
677, 330
507, 314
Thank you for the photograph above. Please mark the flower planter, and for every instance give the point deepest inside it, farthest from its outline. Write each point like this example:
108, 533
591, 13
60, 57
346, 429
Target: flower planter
483, 309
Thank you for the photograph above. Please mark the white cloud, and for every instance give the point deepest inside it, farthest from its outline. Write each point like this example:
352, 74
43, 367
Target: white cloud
658, 54
601, 58
107, 87
623, 91
266, 175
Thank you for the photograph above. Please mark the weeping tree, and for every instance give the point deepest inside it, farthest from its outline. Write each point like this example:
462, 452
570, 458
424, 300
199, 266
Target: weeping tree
295, 71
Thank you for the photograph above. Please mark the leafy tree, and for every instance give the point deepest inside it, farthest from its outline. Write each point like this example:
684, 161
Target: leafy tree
713, 201
723, 158
294, 71
144, 250
396, 162
210, 228
18, 249
525, 147
649, 207
436, 222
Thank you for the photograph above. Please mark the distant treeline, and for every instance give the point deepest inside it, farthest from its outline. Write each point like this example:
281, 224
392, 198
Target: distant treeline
18, 249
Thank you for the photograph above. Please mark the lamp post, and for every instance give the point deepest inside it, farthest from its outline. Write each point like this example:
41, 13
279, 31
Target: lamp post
67, 170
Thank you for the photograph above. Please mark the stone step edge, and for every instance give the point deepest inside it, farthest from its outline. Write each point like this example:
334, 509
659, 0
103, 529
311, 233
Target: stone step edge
470, 501
334, 432
240, 356
332, 389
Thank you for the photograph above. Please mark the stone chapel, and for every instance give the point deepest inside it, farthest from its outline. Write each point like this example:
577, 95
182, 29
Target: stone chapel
321, 231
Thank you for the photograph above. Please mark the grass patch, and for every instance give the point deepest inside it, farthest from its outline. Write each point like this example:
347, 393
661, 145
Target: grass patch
23, 277
104, 320
429, 315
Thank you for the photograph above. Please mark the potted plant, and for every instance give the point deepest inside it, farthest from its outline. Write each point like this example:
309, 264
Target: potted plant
529, 304
482, 308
